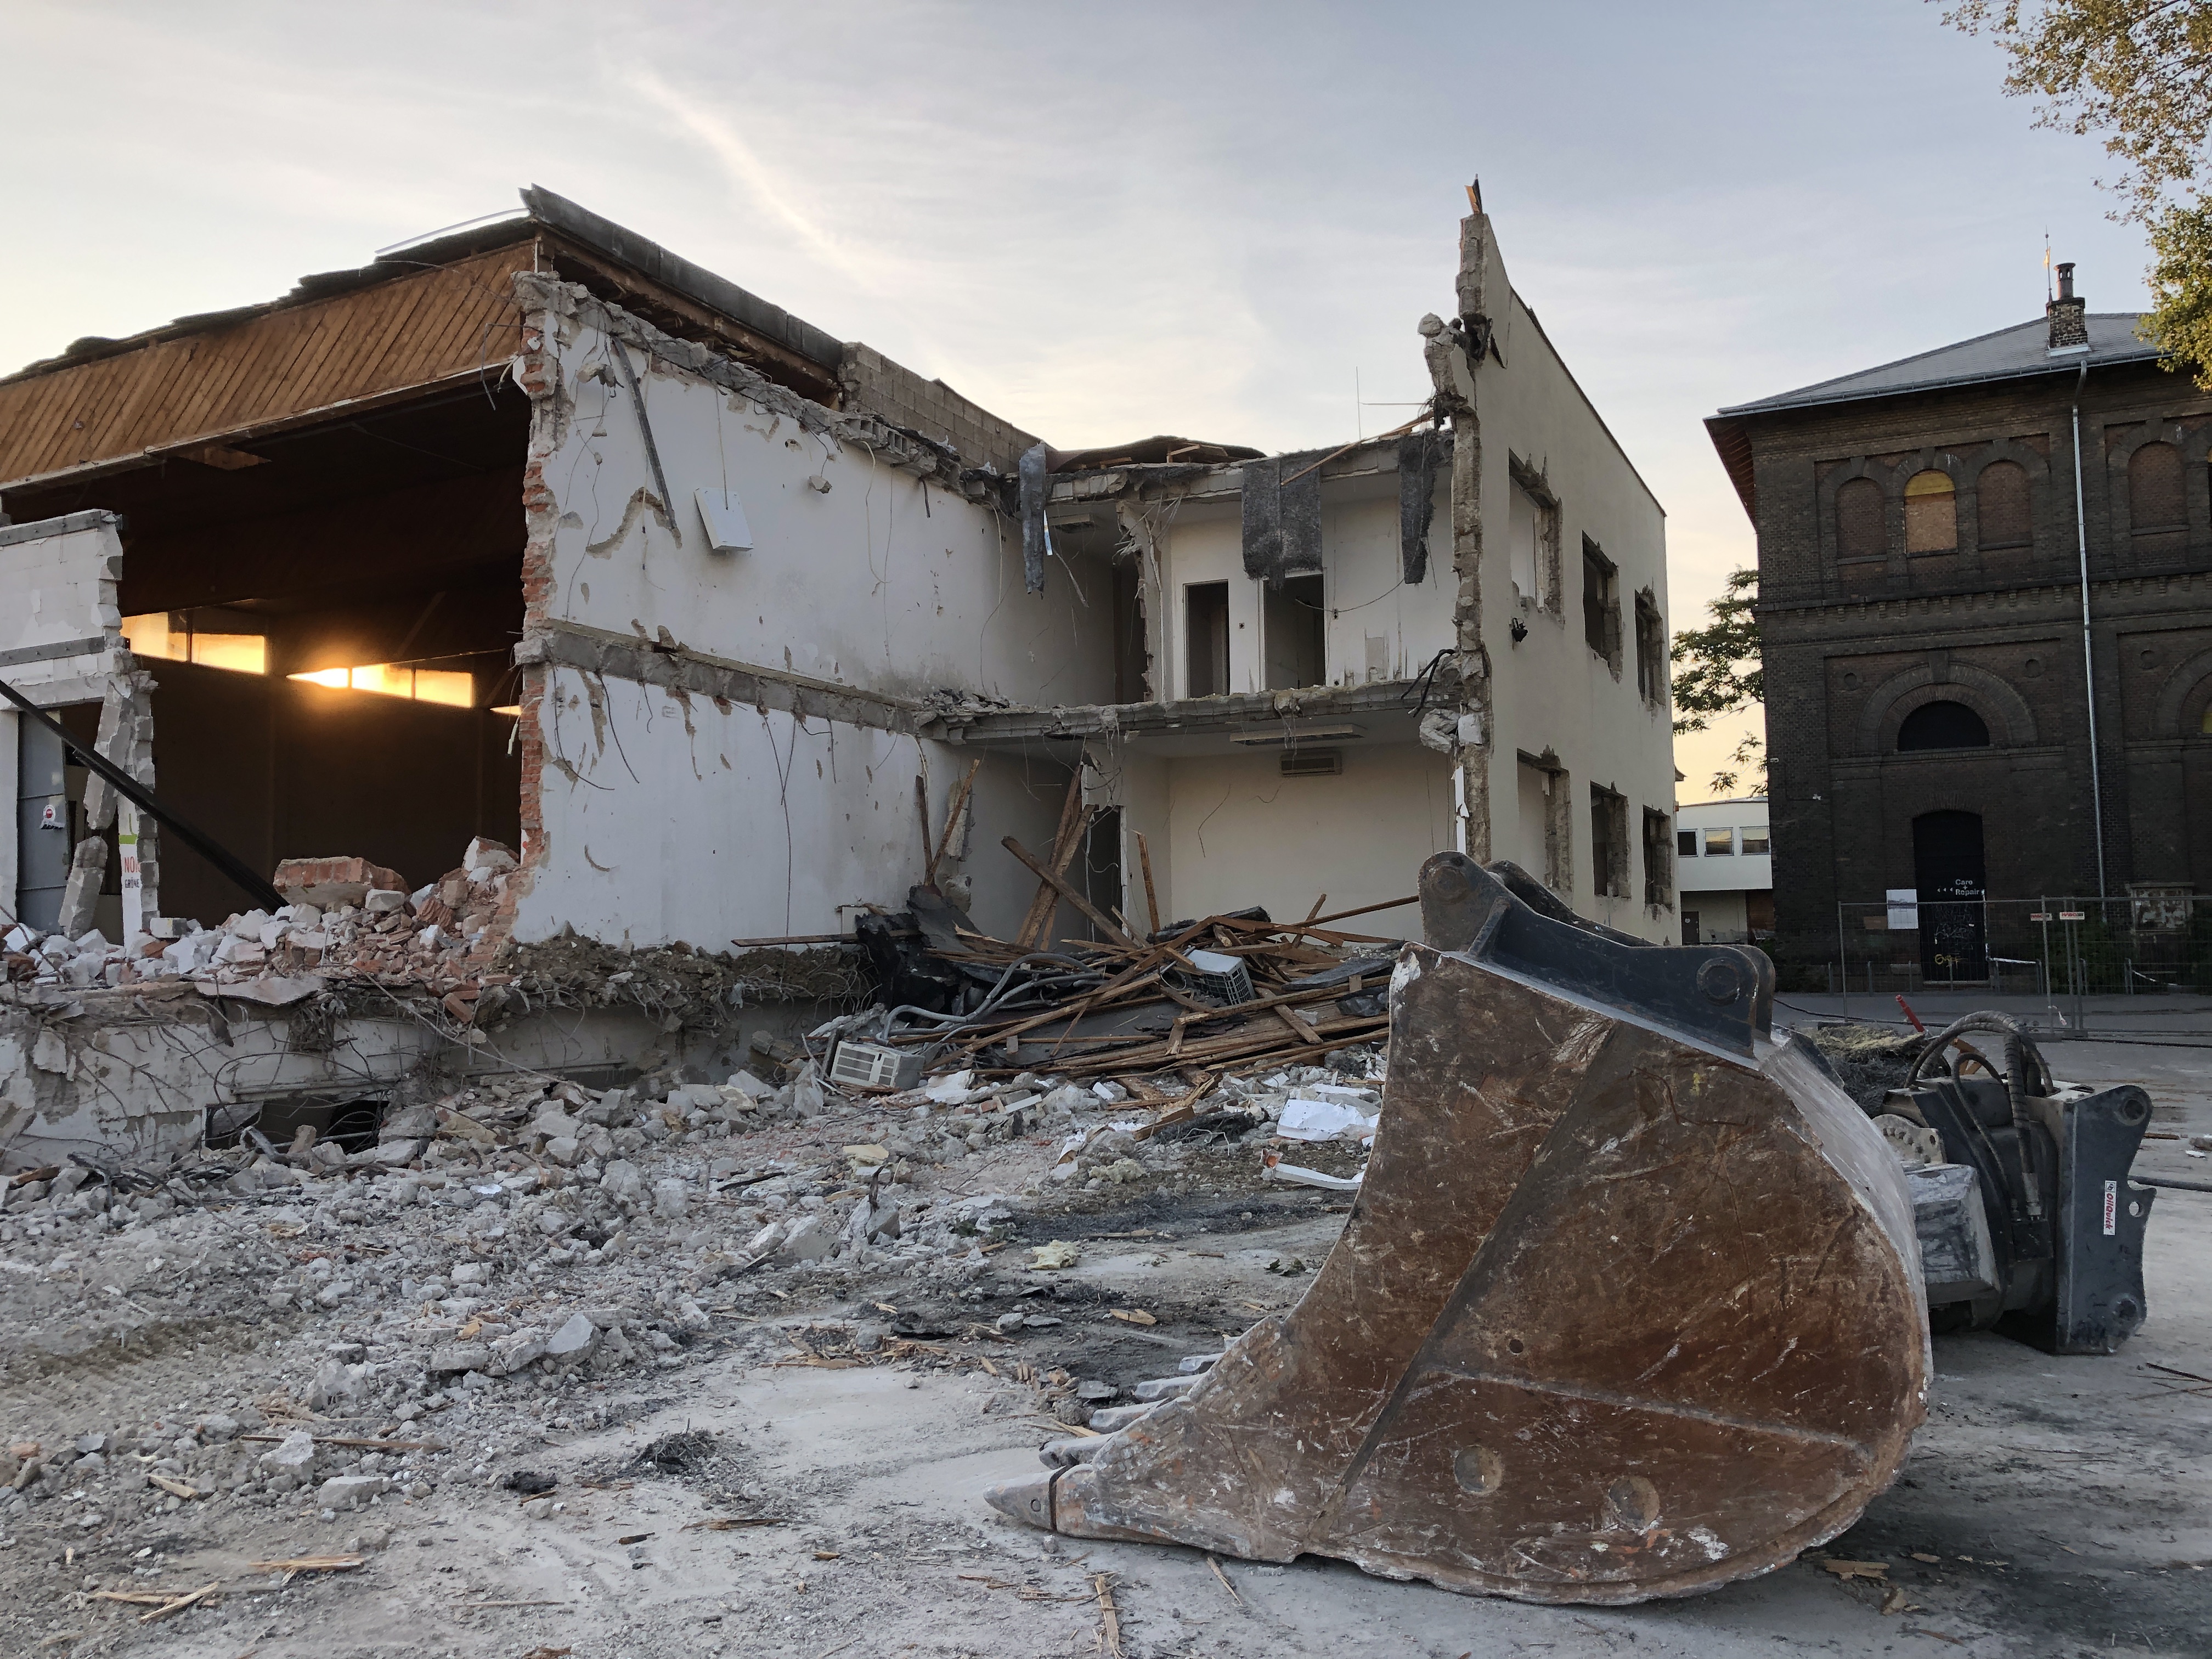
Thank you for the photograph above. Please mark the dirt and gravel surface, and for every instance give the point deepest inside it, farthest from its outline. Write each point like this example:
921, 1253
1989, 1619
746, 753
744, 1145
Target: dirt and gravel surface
598, 1426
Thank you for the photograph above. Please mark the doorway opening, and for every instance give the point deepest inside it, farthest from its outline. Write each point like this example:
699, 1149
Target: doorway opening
1295, 632
1206, 634
1949, 872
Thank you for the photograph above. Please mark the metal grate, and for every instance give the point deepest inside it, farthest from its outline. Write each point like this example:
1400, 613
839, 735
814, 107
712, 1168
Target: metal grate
1312, 762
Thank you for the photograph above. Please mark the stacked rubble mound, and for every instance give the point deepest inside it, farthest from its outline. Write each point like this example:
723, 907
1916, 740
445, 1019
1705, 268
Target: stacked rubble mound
352, 931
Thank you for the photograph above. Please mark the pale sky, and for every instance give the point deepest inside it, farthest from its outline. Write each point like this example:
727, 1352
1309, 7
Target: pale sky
1103, 221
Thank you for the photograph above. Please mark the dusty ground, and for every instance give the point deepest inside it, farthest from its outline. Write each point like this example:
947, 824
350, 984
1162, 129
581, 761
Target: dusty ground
2068, 1503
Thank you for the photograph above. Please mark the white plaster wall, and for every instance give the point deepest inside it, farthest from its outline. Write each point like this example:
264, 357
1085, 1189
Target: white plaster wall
1718, 912
668, 818
57, 589
11, 756
1242, 833
1703, 875
883, 581
1551, 690
1362, 585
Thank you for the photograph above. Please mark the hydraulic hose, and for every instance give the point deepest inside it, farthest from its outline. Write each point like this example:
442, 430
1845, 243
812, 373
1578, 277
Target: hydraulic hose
2020, 1054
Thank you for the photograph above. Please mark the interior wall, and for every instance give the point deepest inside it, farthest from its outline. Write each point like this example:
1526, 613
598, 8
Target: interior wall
872, 576
1242, 833
276, 769
1372, 620
669, 819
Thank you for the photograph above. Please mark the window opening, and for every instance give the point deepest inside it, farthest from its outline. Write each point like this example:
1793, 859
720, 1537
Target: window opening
1942, 726
1755, 842
1601, 604
1931, 513
1609, 843
1658, 863
1860, 533
1206, 634
1720, 843
456, 688
1532, 536
1132, 660
2156, 501
1686, 843
2002, 499
1650, 650
180, 636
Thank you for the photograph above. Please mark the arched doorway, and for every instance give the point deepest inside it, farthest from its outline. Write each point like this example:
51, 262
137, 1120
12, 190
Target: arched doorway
1948, 870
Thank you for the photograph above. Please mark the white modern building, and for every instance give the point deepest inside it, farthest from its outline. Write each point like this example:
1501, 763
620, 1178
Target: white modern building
1725, 871
465, 542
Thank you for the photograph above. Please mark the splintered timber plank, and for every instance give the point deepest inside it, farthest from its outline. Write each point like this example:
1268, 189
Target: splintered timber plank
1260, 1040
1068, 890
1064, 839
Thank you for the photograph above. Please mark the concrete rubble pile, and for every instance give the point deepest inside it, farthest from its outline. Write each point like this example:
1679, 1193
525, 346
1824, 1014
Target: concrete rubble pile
492, 1255
354, 932
348, 918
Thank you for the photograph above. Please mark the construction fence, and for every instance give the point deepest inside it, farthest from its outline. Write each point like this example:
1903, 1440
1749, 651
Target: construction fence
2141, 945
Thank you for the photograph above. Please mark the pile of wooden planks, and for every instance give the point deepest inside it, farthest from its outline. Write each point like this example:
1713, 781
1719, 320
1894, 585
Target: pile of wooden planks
1146, 1012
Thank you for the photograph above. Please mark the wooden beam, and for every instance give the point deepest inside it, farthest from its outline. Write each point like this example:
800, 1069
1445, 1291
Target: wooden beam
1066, 888
928, 845
1065, 839
952, 815
1152, 898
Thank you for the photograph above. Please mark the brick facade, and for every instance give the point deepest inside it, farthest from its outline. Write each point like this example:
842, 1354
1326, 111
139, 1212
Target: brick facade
1853, 645
874, 385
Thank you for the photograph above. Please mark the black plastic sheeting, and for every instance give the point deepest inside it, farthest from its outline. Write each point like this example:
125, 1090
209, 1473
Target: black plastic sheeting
1419, 456
1036, 484
1282, 521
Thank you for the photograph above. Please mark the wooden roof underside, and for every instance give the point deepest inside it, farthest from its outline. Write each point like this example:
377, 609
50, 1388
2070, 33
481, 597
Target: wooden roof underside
192, 388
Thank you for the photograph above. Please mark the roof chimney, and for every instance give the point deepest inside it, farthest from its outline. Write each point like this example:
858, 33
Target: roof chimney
2069, 324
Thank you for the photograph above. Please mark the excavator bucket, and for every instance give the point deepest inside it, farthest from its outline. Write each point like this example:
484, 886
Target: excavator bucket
1629, 1305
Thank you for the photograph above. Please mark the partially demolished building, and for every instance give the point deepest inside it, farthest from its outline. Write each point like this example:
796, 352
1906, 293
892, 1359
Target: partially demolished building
534, 536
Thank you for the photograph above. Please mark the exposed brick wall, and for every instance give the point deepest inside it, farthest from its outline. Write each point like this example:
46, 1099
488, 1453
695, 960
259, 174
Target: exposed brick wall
874, 385
539, 375
1851, 646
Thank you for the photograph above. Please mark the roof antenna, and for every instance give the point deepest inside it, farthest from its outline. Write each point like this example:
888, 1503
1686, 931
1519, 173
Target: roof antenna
2047, 295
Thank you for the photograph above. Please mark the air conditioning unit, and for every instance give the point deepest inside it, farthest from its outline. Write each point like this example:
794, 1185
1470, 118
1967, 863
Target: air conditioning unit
1312, 762
875, 1065
1223, 980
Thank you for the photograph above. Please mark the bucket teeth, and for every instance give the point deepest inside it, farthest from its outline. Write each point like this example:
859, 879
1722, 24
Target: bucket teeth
1629, 1305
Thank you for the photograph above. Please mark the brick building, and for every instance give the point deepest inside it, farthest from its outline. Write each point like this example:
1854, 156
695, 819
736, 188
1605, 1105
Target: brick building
1923, 557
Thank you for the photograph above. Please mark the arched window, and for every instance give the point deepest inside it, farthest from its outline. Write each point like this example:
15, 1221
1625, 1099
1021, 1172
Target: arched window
1858, 521
2156, 501
2001, 492
1931, 513
1942, 726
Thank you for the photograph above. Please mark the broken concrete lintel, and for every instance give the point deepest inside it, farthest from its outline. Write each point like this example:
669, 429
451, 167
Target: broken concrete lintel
596, 651
1243, 710
1373, 458
141, 1069
92, 518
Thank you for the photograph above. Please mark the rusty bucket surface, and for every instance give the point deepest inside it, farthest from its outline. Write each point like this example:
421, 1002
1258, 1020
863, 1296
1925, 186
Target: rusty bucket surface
1629, 1305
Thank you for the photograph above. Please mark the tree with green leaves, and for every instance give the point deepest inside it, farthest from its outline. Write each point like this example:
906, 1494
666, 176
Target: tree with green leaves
2138, 72
1718, 672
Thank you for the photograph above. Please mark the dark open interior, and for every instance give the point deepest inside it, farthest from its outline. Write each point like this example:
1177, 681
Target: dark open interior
393, 539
